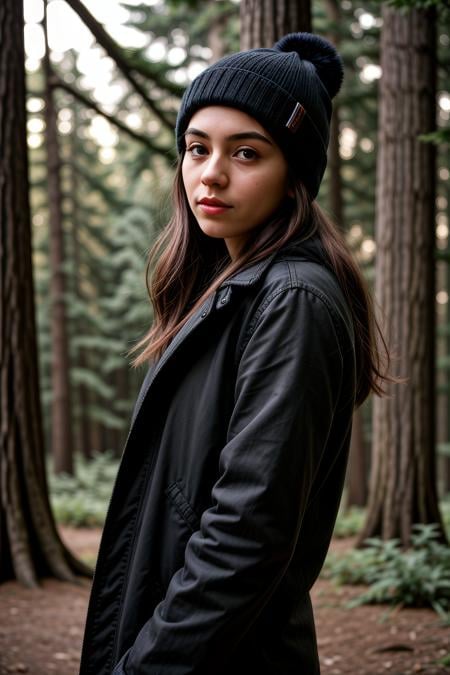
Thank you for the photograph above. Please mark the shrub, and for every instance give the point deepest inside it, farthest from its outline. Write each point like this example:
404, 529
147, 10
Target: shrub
445, 511
82, 500
417, 577
349, 522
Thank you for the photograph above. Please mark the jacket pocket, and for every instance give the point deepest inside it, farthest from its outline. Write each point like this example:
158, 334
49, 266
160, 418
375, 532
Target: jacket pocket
182, 506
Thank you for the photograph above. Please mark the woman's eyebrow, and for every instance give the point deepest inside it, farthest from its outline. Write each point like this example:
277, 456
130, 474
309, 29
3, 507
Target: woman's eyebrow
249, 134
234, 137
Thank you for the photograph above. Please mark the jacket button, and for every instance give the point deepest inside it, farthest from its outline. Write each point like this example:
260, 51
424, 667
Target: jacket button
204, 314
223, 301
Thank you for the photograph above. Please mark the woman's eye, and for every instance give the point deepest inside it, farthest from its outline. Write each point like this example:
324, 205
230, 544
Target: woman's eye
196, 150
247, 153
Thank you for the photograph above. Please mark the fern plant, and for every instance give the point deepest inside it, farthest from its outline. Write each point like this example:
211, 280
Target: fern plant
417, 577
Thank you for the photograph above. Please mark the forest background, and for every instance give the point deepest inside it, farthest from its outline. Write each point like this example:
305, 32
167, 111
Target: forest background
103, 83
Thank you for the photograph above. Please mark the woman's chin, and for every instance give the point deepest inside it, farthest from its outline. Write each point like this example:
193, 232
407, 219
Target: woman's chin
215, 230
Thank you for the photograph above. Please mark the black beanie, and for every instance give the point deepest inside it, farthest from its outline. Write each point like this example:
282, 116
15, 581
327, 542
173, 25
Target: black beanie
288, 89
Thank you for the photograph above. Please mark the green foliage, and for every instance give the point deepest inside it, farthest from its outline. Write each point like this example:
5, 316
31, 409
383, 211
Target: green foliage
406, 5
445, 513
445, 661
349, 522
437, 137
443, 449
417, 577
82, 500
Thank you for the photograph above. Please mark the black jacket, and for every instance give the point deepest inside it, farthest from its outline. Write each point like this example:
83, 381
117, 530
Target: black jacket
229, 484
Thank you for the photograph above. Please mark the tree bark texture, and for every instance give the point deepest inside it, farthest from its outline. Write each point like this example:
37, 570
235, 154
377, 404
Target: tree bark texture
82, 444
29, 543
403, 481
216, 41
336, 204
442, 383
356, 482
263, 22
335, 200
357, 472
61, 424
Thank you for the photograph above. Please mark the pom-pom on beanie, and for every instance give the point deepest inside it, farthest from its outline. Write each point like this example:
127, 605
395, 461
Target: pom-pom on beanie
288, 89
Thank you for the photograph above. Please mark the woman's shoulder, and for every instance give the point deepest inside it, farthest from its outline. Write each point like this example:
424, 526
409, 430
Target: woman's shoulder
304, 265
303, 272
299, 269
301, 265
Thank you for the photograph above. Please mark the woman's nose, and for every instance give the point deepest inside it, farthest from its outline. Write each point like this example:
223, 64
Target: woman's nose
214, 172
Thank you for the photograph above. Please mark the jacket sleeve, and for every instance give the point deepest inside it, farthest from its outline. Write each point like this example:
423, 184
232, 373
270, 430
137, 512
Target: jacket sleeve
288, 383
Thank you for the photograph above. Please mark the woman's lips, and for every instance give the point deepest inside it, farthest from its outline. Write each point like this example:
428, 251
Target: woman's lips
212, 207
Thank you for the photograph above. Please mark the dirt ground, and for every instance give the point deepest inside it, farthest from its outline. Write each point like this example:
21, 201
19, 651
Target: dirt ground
41, 630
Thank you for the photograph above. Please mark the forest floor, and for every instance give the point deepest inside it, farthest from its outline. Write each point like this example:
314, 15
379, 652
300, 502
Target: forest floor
41, 630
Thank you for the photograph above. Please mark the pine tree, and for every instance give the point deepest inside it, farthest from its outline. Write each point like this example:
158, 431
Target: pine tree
30, 545
403, 481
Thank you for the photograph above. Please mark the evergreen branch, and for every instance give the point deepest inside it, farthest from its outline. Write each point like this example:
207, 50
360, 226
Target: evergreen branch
438, 137
98, 184
116, 53
57, 81
155, 72
407, 5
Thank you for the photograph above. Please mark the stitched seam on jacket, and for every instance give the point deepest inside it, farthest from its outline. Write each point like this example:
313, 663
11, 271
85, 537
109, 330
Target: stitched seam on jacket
286, 263
182, 505
291, 286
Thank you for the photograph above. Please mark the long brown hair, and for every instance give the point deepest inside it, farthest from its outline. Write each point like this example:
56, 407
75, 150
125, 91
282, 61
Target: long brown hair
190, 266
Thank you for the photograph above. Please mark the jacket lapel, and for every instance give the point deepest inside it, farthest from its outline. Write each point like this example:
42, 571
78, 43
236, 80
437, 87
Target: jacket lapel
246, 277
195, 320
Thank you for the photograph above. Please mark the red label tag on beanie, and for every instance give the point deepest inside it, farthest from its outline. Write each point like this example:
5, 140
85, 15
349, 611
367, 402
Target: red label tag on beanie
296, 117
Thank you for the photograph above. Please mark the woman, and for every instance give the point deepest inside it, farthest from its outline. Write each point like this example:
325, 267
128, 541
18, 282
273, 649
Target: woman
263, 343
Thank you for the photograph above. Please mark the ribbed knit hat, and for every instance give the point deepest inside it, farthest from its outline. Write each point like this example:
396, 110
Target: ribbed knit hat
288, 89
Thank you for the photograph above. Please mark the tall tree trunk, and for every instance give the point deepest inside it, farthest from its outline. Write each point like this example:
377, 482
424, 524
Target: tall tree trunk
216, 41
62, 442
446, 407
83, 438
29, 543
336, 203
443, 418
442, 375
446, 413
263, 22
403, 481
335, 200
356, 480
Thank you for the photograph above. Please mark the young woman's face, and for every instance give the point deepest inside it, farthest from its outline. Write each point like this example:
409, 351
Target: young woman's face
234, 174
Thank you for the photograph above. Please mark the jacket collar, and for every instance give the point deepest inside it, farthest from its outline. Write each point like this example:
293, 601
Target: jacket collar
310, 249
249, 275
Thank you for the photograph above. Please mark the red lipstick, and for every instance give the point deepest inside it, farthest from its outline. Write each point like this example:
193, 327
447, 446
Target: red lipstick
213, 206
